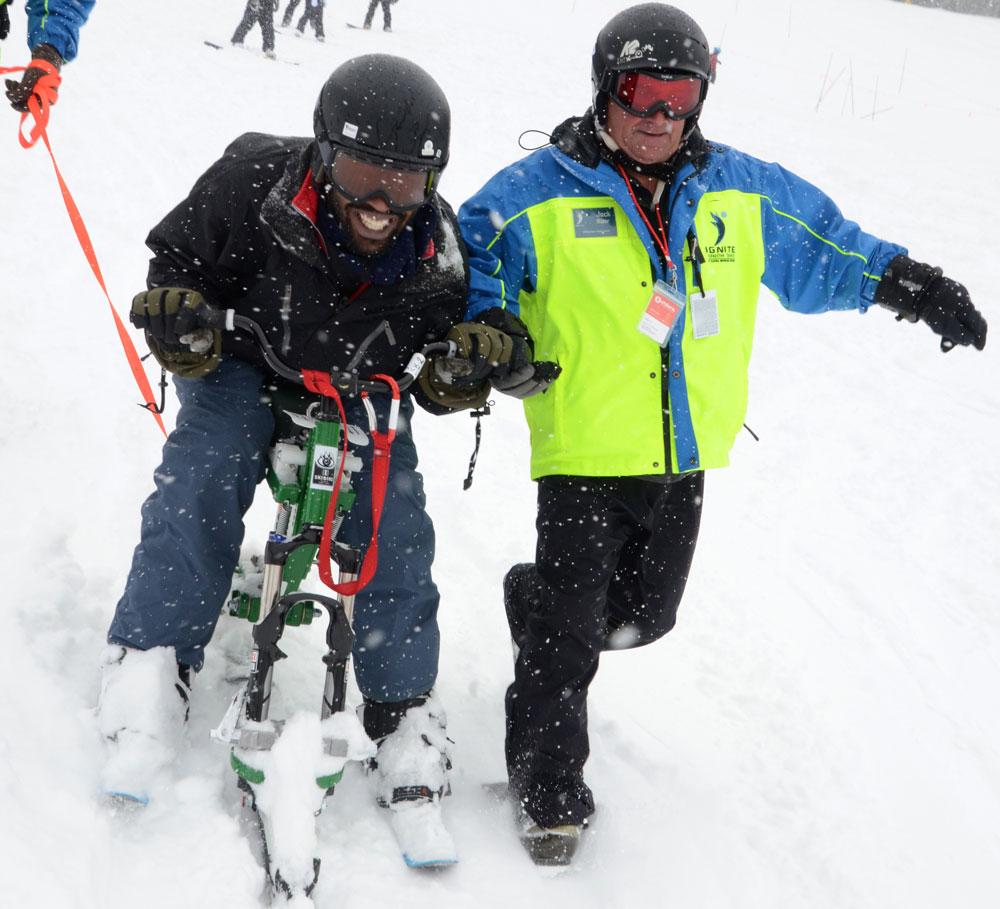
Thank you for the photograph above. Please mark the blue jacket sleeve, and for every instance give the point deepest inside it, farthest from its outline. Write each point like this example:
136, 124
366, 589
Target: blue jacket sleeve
57, 22
497, 232
815, 259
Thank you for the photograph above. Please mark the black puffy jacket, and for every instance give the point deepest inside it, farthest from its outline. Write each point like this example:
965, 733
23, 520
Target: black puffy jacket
247, 238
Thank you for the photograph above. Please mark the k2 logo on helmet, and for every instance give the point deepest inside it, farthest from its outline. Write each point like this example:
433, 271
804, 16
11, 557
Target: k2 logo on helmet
632, 50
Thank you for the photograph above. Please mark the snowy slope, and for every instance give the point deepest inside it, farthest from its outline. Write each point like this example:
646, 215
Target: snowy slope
821, 728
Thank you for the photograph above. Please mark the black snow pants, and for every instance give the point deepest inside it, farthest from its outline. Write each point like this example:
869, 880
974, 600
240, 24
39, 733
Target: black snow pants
261, 11
313, 13
386, 14
612, 560
286, 19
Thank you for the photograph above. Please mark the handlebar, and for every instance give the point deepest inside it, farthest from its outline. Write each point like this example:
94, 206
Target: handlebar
344, 380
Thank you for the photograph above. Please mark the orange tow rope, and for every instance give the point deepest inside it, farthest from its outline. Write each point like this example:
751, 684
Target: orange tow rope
44, 95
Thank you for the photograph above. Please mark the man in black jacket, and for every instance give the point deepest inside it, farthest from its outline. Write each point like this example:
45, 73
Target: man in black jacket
320, 241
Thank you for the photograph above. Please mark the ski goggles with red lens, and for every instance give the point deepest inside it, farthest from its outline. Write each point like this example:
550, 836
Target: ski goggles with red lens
403, 188
642, 94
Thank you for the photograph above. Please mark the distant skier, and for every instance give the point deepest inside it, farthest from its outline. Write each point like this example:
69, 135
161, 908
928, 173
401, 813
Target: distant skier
261, 11
53, 36
386, 14
313, 14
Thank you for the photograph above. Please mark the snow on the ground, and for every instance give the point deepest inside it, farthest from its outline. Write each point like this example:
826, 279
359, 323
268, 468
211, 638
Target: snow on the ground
821, 728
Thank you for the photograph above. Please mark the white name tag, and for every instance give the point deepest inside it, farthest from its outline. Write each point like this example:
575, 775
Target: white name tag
662, 311
704, 314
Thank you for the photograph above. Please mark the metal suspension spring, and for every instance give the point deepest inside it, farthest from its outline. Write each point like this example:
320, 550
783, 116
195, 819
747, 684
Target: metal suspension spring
283, 519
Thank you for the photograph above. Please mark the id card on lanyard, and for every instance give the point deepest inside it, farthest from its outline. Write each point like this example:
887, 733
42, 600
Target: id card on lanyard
662, 311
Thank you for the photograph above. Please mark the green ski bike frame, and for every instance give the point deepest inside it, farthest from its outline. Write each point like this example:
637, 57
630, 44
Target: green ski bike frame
304, 473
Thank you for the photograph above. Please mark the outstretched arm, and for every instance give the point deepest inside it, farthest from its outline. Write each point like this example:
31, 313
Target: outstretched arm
816, 260
57, 23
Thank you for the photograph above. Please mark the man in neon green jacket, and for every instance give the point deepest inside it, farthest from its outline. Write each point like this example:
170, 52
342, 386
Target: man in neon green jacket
631, 251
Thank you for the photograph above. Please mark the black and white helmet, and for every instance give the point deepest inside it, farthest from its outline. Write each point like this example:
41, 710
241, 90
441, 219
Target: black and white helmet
384, 108
652, 37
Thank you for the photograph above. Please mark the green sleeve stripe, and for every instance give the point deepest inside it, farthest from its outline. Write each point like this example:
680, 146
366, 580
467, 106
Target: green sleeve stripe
496, 271
822, 239
45, 15
503, 227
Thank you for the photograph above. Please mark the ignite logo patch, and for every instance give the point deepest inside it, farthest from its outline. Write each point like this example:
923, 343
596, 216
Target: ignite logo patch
719, 251
720, 226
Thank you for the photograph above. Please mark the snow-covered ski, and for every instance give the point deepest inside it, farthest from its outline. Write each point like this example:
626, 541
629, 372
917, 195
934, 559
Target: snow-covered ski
551, 848
423, 839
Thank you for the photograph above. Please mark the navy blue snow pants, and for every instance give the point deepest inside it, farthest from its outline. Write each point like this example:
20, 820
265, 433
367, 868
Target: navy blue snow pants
192, 528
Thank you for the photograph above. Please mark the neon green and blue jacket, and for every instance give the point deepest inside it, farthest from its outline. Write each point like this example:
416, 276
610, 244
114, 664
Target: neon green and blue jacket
57, 22
561, 244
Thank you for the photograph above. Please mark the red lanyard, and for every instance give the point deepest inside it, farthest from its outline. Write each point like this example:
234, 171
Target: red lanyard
318, 382
659, 237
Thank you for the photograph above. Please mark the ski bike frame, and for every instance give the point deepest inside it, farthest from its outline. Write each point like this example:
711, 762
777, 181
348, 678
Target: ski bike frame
305, 473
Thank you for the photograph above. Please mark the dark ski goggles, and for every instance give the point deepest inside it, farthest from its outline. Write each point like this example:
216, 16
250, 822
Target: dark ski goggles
643, 94
403, 188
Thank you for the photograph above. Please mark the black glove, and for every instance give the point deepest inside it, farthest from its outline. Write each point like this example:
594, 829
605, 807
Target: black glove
176, 322
19, 92
4, 19
914, 290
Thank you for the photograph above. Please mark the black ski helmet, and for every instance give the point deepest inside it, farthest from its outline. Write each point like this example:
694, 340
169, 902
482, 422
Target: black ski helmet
651, 36
385, 108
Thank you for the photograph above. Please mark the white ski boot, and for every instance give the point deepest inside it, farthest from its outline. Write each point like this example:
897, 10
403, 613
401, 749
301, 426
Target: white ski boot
141, 714
411, 776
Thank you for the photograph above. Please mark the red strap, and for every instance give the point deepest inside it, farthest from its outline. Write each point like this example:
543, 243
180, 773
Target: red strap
318, 382
44, 95
660, 239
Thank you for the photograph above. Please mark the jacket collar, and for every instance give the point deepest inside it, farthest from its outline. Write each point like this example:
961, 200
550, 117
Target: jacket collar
577, 137
577, 150
290, 211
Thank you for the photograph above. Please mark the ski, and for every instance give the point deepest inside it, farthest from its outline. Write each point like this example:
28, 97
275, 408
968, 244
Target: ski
554, 847
124, 801
215, 46
423, 839
255, 828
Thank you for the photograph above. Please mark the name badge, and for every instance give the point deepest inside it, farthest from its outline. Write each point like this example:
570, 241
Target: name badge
661, 314
704, 315
594, 222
